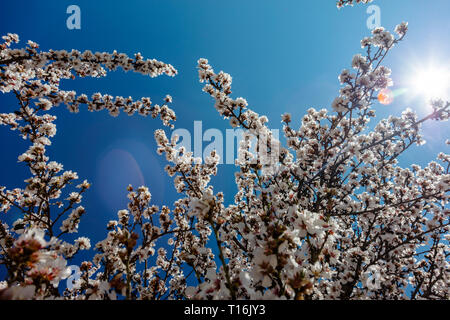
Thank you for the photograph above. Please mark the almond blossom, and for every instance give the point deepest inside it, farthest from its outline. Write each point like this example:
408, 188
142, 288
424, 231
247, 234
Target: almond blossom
328, 215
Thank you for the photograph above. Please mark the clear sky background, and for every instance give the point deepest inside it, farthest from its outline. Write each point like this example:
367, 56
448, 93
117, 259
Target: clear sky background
284, 56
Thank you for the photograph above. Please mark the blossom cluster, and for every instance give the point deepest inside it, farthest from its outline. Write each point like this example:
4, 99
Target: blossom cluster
36, 76
49, 204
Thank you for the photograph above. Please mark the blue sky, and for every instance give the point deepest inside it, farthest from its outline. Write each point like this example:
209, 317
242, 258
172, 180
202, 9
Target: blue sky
284, 56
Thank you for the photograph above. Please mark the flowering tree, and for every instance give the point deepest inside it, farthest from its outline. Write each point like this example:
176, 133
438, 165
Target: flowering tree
330, 215
34, 77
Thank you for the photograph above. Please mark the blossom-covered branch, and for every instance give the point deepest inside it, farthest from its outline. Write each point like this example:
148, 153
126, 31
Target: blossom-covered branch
33, 77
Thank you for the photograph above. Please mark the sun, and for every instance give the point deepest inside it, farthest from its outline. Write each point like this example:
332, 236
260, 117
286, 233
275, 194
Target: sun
385, 97
431, 82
